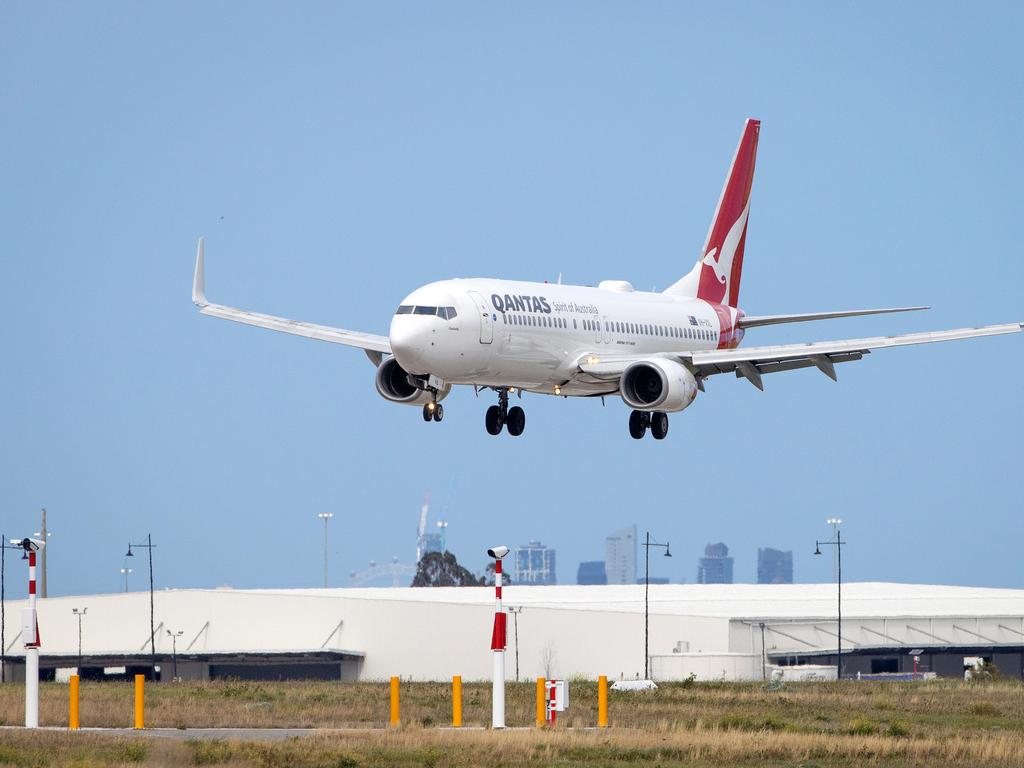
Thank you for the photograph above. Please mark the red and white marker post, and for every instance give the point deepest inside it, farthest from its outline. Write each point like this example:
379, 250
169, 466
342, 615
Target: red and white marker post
498, 644
30, 636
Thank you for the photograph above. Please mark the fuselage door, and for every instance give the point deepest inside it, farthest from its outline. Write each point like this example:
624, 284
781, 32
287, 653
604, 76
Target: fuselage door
607, 330
486, 318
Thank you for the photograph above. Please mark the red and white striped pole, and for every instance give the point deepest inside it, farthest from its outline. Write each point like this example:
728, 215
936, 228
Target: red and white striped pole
30, 636
498, 644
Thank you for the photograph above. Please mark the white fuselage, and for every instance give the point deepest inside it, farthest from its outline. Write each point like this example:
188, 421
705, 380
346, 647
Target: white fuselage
532, 336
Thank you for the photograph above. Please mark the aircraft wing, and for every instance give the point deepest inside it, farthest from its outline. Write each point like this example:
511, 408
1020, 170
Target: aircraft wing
753, 362
373, 345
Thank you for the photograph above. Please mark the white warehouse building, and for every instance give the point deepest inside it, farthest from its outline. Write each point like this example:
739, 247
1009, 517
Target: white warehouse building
720, 631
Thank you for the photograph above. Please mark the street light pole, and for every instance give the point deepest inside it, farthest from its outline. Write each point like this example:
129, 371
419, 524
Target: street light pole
79, 614
838, 543
125, 572
325, 516
515, 630
174, 653
3, 606
44, 536
152, 624
647, 588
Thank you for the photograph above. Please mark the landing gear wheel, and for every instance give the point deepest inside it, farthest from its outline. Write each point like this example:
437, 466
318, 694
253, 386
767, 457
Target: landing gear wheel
493, 420
516, 421
439, 412
659, 425
428, 415
638, 422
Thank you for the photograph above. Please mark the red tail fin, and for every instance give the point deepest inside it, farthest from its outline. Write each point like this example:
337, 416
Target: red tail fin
722, 260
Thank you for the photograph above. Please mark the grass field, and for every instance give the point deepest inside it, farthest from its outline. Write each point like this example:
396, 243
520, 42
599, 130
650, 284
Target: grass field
935, 723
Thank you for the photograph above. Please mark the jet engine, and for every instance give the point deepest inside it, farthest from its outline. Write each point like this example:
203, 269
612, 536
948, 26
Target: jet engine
394, 383
657, 384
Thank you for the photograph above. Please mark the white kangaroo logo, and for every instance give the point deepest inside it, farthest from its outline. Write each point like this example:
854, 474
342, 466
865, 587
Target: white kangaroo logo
722, 265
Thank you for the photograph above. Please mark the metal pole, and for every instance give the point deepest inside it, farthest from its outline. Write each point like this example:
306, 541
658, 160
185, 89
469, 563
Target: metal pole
647, 588
839, 606
42, 556
764, 659
152, 623
79, 643
515, 627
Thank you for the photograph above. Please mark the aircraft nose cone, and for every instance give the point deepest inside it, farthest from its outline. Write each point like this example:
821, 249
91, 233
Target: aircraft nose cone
407, 342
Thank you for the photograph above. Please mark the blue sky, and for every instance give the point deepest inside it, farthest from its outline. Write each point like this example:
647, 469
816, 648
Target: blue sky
336, 156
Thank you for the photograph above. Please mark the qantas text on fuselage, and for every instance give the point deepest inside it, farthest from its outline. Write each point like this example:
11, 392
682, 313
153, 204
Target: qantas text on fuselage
654, 350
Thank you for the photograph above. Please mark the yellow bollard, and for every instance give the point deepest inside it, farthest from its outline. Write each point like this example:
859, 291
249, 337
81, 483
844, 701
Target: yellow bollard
73, 703
602, 701
457, 701
140, 700
541, 703
394, 701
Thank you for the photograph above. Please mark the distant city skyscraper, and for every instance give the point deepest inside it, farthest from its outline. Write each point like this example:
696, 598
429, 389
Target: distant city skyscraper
716, 565
620, 556
774, 566
534, 564
592, 572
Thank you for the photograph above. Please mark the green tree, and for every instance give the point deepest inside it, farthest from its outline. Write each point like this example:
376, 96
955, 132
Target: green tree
441, 569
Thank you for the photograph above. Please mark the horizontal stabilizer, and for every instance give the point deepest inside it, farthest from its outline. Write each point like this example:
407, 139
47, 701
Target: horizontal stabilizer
759, 320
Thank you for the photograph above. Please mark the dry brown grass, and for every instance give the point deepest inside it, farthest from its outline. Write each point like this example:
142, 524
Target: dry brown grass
811, 724
700, 747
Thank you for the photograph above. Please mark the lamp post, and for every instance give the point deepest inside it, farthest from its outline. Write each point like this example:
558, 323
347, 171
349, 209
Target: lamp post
325, 516
125, 572
43, 535
152, 624
515, 633
647, 544
3, 603
79, 613
174, 653
837, 542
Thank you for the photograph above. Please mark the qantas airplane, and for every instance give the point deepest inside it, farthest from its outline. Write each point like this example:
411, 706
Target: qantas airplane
654, 350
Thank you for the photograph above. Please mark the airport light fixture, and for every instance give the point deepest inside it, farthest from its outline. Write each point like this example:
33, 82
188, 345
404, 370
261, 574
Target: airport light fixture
174, 653
837, 542
152, 624
80, 613
124, 572
325, 516
647, 544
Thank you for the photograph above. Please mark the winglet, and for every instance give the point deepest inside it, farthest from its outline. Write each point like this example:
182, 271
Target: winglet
199, 279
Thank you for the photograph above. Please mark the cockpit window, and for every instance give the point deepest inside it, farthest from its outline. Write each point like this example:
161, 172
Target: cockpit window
445, 313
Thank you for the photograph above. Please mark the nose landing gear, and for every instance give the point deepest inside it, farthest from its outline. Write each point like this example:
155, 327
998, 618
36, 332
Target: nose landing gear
640, 421
499, 415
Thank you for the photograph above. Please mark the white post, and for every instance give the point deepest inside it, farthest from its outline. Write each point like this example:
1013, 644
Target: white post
498, 645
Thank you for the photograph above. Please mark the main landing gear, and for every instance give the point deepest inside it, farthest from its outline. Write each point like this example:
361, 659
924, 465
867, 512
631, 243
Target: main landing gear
433, 411
500, 415
640, 421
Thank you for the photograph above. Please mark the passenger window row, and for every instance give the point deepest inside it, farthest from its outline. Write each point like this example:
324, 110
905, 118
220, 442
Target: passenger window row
637, 329
537, 321
445, 313
646, 329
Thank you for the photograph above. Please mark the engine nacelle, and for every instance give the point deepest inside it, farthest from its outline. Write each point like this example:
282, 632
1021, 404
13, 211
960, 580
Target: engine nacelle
393, 384
657, 384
